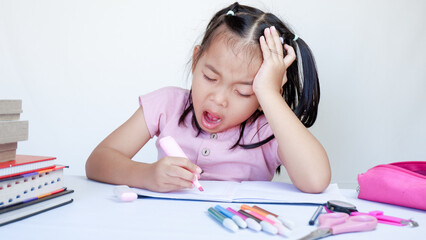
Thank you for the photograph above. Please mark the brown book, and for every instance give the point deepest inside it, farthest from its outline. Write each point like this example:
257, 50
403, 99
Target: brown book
7, 117
10, 109
8, 151
13, 131
7, 155
8, 146
10, 106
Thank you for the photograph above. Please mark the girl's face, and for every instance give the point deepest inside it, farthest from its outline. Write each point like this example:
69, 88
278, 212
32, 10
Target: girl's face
222, 92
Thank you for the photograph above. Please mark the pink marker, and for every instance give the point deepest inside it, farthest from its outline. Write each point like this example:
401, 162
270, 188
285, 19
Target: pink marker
281, 229
252, 224
171, 148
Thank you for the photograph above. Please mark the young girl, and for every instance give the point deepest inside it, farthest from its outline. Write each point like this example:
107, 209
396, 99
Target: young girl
254, 92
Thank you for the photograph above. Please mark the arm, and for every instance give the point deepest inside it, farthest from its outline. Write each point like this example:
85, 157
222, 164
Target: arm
300, 152
111, 161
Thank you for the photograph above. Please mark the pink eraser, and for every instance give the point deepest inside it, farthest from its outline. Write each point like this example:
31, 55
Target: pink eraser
124, 193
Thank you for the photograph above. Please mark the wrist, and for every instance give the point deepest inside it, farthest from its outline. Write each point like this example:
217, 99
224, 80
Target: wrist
268, 96
138, 174
267, 90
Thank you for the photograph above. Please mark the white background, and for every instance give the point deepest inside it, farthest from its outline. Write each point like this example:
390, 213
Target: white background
79, 67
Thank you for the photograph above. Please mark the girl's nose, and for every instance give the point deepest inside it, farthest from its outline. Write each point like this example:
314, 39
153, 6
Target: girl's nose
220, 97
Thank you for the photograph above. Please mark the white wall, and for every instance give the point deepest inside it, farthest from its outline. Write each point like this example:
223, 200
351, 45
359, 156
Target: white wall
79, 67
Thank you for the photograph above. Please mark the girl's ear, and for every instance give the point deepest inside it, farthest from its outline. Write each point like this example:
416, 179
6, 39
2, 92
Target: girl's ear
194, 56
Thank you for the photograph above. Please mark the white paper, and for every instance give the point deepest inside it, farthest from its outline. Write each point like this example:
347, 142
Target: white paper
249, 191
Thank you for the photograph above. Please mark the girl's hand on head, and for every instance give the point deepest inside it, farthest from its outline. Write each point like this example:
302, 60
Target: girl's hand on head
172, 173
271, 75
288, 60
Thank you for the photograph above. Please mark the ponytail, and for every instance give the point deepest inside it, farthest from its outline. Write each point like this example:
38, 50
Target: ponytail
302, 91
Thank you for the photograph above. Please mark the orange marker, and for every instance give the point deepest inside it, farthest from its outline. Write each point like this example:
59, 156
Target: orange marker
289, 224
272, 216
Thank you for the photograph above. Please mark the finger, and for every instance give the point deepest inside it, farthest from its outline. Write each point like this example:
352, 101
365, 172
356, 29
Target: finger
277, 41
177, 171
290, 57
181, 173
264, 47
272, 45
269, 39
184, 169
185, 163
191, 166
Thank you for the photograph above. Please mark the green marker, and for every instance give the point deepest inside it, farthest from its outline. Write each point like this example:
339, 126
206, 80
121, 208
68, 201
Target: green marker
225, 221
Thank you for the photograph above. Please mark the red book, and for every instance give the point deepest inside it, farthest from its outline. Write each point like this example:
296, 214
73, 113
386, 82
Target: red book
25, 164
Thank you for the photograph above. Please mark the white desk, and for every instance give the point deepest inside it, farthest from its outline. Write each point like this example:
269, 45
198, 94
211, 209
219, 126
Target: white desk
96, 214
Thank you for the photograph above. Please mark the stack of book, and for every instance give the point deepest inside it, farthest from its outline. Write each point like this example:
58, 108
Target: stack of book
12, 129
29, 185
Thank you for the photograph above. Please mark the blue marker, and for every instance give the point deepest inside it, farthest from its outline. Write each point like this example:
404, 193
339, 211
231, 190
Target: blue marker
316, 214
237, 219
226, 222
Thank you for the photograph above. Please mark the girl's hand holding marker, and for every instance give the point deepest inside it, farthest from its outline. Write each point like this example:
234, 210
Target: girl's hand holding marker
171, 147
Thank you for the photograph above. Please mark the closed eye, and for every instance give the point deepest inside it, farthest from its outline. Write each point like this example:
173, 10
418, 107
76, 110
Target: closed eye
208, 79
244, 95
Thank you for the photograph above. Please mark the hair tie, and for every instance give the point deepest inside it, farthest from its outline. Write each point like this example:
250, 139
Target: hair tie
230, 12
295, 38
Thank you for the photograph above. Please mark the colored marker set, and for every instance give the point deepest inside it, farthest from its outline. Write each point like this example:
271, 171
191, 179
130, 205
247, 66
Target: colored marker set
254, 218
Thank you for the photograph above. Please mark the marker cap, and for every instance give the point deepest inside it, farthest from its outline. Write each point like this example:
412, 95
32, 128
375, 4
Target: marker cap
267, 227
289, 224
252, 224
228, 223
124, 193
239, 221
282, 230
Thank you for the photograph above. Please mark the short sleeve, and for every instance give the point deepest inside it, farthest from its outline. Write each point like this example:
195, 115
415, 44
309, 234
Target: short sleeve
162, 105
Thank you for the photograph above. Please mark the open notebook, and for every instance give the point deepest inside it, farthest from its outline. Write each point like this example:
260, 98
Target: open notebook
249, 191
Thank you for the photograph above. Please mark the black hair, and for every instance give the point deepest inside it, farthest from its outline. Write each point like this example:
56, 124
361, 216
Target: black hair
301, 91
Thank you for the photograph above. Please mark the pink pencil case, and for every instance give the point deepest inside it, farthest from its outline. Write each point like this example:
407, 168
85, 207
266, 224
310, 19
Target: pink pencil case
399, 183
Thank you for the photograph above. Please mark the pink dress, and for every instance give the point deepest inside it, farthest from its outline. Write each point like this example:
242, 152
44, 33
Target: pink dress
211, 152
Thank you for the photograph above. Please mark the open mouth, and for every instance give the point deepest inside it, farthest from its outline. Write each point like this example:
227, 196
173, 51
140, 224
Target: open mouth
211, 118
210, 121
